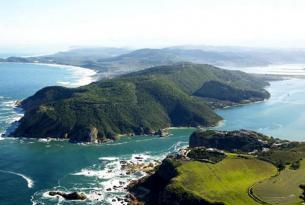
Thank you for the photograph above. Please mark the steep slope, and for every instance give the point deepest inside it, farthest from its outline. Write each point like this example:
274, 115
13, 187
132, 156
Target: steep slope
139, 103
187, 181
227, 181
227, 168
191, 77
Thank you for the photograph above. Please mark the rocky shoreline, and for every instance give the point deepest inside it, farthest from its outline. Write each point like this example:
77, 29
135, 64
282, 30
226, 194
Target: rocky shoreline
137, 195
143, 180
137, 165
207, 147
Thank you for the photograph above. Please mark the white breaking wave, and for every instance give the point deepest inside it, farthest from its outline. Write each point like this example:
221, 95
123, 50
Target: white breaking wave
116, 143
112, 179
178, 145
13, 118
108, 158
64, 83
29, 181
84, 76
44, 140
106, 181
9, 103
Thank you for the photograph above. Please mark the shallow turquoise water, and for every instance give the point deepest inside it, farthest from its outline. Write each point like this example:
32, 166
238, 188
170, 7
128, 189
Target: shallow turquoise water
75, 167
30, 168
282, 116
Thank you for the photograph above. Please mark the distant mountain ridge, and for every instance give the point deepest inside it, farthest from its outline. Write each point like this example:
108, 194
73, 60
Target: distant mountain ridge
111, 62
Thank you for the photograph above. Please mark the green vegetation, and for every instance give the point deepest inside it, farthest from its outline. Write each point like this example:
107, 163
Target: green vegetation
227, 181
282, 189
191, 77
233, 141
138, 103
218, 90
201, 175
201, 154
302, 186
195, 183
287, 153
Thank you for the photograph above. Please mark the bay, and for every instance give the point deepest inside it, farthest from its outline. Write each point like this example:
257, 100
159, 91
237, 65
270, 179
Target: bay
31, 168
282, 116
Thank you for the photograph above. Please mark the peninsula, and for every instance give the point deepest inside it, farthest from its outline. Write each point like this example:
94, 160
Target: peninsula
143, 102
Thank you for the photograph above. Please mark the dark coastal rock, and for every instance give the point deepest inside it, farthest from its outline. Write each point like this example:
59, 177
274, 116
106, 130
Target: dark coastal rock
241, 140
131, 167
18, 103
206, 155
69, 196
162, 133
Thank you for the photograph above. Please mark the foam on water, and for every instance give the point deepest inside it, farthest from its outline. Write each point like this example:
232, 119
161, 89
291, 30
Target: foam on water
9, 103
63, 83
24, 86
177, 146
113, 178
83, 76
116, 144
109, 179
108, 158
30, 182
44, 140
10, 113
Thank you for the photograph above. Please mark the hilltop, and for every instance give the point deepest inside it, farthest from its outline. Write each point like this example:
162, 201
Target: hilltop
227, 168
139, 103
109, 62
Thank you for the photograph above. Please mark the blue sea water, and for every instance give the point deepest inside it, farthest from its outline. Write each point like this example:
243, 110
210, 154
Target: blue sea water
91, 169
31, 168
282, 116
18, 81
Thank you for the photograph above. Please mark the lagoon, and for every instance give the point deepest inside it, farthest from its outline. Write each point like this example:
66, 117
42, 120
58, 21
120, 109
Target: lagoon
282, 116
31, 168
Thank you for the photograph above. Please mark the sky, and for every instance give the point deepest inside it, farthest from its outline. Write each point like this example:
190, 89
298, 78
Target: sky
26, 24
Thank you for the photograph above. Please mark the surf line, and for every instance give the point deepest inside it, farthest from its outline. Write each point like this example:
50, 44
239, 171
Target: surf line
27, 179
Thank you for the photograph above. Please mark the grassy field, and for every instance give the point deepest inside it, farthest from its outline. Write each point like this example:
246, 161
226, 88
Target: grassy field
284, 188
227, 181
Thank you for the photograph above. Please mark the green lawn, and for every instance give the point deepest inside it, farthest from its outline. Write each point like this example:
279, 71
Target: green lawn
284, 188
227, 181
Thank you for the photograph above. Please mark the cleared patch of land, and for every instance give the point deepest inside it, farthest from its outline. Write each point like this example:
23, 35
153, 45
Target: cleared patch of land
227, 181
284, 188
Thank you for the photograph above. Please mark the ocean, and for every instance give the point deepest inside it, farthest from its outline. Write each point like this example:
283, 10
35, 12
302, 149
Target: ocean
31, 168
282, 116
